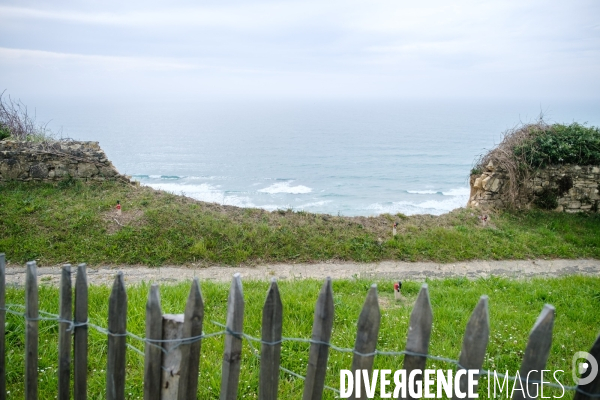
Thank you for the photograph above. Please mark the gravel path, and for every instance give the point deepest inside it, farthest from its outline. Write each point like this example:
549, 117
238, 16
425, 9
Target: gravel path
15, 275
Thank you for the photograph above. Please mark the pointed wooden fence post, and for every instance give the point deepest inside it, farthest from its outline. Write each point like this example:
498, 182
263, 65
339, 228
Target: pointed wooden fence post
232, 355
117, 328
593, 387
31, 332
172, 332
64, 334
190, 352
80, 336
419, 333
475, 341
319, 349
153, 352
270, 354
366, 338
2, 326
536, 355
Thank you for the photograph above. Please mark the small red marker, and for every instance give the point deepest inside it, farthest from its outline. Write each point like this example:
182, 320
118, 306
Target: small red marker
397, 287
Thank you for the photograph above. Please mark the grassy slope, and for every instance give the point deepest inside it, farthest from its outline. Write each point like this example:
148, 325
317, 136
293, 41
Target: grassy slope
74, 222
514, 307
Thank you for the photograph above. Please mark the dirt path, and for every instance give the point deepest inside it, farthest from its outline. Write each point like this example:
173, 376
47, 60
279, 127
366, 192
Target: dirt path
383, 270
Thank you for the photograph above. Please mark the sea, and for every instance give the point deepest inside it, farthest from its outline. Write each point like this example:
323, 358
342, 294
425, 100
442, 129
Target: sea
340, 157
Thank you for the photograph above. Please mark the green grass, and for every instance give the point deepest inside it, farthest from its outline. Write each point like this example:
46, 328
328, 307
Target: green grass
76, 222
514, 307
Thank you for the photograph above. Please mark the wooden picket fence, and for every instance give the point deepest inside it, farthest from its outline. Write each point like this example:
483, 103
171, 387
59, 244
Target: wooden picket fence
173, 342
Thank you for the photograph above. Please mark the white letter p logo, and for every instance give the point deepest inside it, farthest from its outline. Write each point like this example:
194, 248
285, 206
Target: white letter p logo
584, 371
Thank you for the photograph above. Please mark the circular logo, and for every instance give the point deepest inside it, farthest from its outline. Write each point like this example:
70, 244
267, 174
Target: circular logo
584, 368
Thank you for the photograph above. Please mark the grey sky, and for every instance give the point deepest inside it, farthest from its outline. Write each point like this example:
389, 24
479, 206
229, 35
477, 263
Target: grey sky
359, 49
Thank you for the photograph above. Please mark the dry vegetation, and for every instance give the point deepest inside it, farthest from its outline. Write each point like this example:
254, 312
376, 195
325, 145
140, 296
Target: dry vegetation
17, 123
517, 166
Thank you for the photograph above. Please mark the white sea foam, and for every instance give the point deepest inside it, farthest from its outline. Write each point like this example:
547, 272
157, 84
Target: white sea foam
313, 204
202, 192
462, 191
211, 194
285, 187
435, 207
423, 191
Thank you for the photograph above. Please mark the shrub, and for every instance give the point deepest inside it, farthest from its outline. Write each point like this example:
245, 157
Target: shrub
528, 147
4, 132
561, 144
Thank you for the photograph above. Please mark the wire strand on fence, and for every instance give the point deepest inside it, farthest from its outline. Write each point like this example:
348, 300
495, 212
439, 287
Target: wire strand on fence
250, 339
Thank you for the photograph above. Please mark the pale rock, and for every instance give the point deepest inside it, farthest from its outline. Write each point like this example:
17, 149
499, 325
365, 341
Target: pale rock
495, 185
60, 170
86, 170
485, 181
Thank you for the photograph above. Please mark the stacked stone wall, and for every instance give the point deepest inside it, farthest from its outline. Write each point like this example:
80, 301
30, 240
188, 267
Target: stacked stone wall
53, 161
569, 188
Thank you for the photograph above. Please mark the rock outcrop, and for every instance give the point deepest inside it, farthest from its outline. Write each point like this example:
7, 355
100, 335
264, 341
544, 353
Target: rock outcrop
53, 161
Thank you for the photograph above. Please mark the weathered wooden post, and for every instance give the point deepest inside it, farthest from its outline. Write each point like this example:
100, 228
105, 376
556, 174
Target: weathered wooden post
232, 354
536, 354
117, 331
64, 334
319, 349
190, 352
80, 335
31, 332
153, 353
2, 326
475, 342
419, 333
591, 388
366, 338
172, 330
270, 352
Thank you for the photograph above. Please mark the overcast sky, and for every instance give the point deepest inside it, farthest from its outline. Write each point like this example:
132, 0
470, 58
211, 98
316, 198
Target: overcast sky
351, 49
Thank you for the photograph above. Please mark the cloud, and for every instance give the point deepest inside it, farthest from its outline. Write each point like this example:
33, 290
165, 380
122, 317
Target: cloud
257, 16
17, 57
368, 48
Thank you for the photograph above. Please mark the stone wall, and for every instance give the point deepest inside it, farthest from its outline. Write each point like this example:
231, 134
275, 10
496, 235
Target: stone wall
25, 161
568, 188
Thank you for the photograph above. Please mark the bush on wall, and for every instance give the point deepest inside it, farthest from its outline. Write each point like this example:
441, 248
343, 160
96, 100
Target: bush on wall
529, 147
